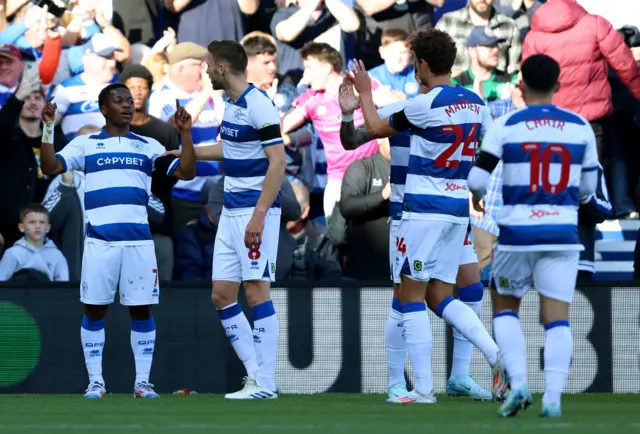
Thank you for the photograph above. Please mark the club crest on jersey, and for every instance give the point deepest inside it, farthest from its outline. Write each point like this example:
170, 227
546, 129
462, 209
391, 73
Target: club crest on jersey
138, 146
239, 115
89, 107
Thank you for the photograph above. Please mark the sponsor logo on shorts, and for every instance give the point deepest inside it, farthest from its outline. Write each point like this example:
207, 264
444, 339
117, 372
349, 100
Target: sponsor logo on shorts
85, 288
154, 293
273, 268
254, 265
417, 265
504, 282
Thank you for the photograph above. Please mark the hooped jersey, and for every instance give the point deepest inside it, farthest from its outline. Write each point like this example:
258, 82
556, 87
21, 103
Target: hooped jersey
446, 125
399, 150
545, 150
250, 124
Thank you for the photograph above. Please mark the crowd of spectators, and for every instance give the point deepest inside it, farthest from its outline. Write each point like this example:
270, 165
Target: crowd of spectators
335, 218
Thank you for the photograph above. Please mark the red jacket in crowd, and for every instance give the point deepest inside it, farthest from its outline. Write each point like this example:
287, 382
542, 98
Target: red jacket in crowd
583, 45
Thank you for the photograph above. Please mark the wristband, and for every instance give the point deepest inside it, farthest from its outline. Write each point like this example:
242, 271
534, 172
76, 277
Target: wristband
47, 133
347, 118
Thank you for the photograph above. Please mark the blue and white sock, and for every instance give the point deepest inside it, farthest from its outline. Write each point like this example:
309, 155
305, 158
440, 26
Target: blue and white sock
238, 331
396, 345
463, 318
419, 339
463, 349
557, 359
265, 339
143, 343
508, 333
92, 338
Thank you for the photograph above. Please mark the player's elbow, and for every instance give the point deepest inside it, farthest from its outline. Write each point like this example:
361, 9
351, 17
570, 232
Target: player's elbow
49, 168
186, 172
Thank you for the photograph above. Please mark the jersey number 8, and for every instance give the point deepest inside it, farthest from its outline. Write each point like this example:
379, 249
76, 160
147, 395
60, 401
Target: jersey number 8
469, 149
535, 178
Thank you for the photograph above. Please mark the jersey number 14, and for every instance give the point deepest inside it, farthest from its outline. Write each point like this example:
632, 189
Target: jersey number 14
536, 178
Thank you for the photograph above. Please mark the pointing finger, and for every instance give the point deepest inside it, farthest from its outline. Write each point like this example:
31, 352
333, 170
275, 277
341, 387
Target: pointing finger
178, 104
50, 99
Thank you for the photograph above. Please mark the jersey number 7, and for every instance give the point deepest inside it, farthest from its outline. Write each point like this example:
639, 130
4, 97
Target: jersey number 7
535, 178
469, 149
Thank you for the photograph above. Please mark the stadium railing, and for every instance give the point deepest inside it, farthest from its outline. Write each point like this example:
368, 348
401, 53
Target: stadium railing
331, 340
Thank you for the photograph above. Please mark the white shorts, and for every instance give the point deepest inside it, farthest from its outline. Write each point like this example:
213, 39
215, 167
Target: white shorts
424, 250
467, 256
553, 274
234, 262
132, 269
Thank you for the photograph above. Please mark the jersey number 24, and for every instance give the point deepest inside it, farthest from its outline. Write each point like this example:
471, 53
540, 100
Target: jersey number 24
469, 149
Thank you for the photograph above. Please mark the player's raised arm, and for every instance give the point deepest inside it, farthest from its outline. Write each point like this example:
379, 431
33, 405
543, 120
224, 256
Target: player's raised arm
377, 127
350, 136
187, 167
50, 164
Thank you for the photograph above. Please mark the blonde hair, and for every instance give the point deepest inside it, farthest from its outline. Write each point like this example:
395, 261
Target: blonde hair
158, 66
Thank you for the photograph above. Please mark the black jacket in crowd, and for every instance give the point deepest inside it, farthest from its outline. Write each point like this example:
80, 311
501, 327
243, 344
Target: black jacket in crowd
21, 181
367, 215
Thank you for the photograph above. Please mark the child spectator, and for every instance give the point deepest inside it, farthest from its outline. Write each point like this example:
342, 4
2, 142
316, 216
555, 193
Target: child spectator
34, 254
397, 73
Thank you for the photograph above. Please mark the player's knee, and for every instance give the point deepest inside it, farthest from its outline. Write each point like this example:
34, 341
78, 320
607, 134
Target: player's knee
504, 302
257, 292
552, 310
468, 274
140, 313
222, 298
96, 312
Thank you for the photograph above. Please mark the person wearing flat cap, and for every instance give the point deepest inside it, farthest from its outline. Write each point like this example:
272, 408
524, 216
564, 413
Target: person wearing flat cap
187, 81
483, 77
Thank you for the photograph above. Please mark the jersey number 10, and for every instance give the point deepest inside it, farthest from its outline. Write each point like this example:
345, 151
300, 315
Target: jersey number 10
535, 178
469, 149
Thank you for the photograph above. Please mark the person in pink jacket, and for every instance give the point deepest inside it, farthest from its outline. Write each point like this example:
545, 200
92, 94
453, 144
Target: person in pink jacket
585, 46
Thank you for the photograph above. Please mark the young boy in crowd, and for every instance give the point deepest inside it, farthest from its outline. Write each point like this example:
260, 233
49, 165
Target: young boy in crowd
34, 251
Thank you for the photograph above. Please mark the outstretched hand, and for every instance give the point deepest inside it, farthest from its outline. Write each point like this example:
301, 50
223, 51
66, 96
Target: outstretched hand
359, 76
49, 111
349, 102
182, 118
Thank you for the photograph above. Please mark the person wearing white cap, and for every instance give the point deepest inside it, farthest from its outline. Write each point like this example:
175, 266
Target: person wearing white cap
77, 96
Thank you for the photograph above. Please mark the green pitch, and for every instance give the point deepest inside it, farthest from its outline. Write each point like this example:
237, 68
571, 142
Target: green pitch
584, 414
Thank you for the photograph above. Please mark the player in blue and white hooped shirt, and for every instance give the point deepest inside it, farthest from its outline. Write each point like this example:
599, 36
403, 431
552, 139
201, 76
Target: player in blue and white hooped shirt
470, 289
246, 243
118, 248
550, 164
445, 125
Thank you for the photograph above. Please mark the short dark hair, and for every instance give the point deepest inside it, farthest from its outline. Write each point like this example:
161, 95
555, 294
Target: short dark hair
33, 207
257, 44
435, 47
136, 71
230, 52
540, 73
323, 53
104, 93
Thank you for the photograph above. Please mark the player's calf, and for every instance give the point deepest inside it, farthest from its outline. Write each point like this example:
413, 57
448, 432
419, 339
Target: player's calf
143, 341
265, 331
92, 336
558, 349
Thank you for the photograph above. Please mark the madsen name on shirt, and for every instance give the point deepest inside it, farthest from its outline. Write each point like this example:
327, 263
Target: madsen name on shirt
462, 105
